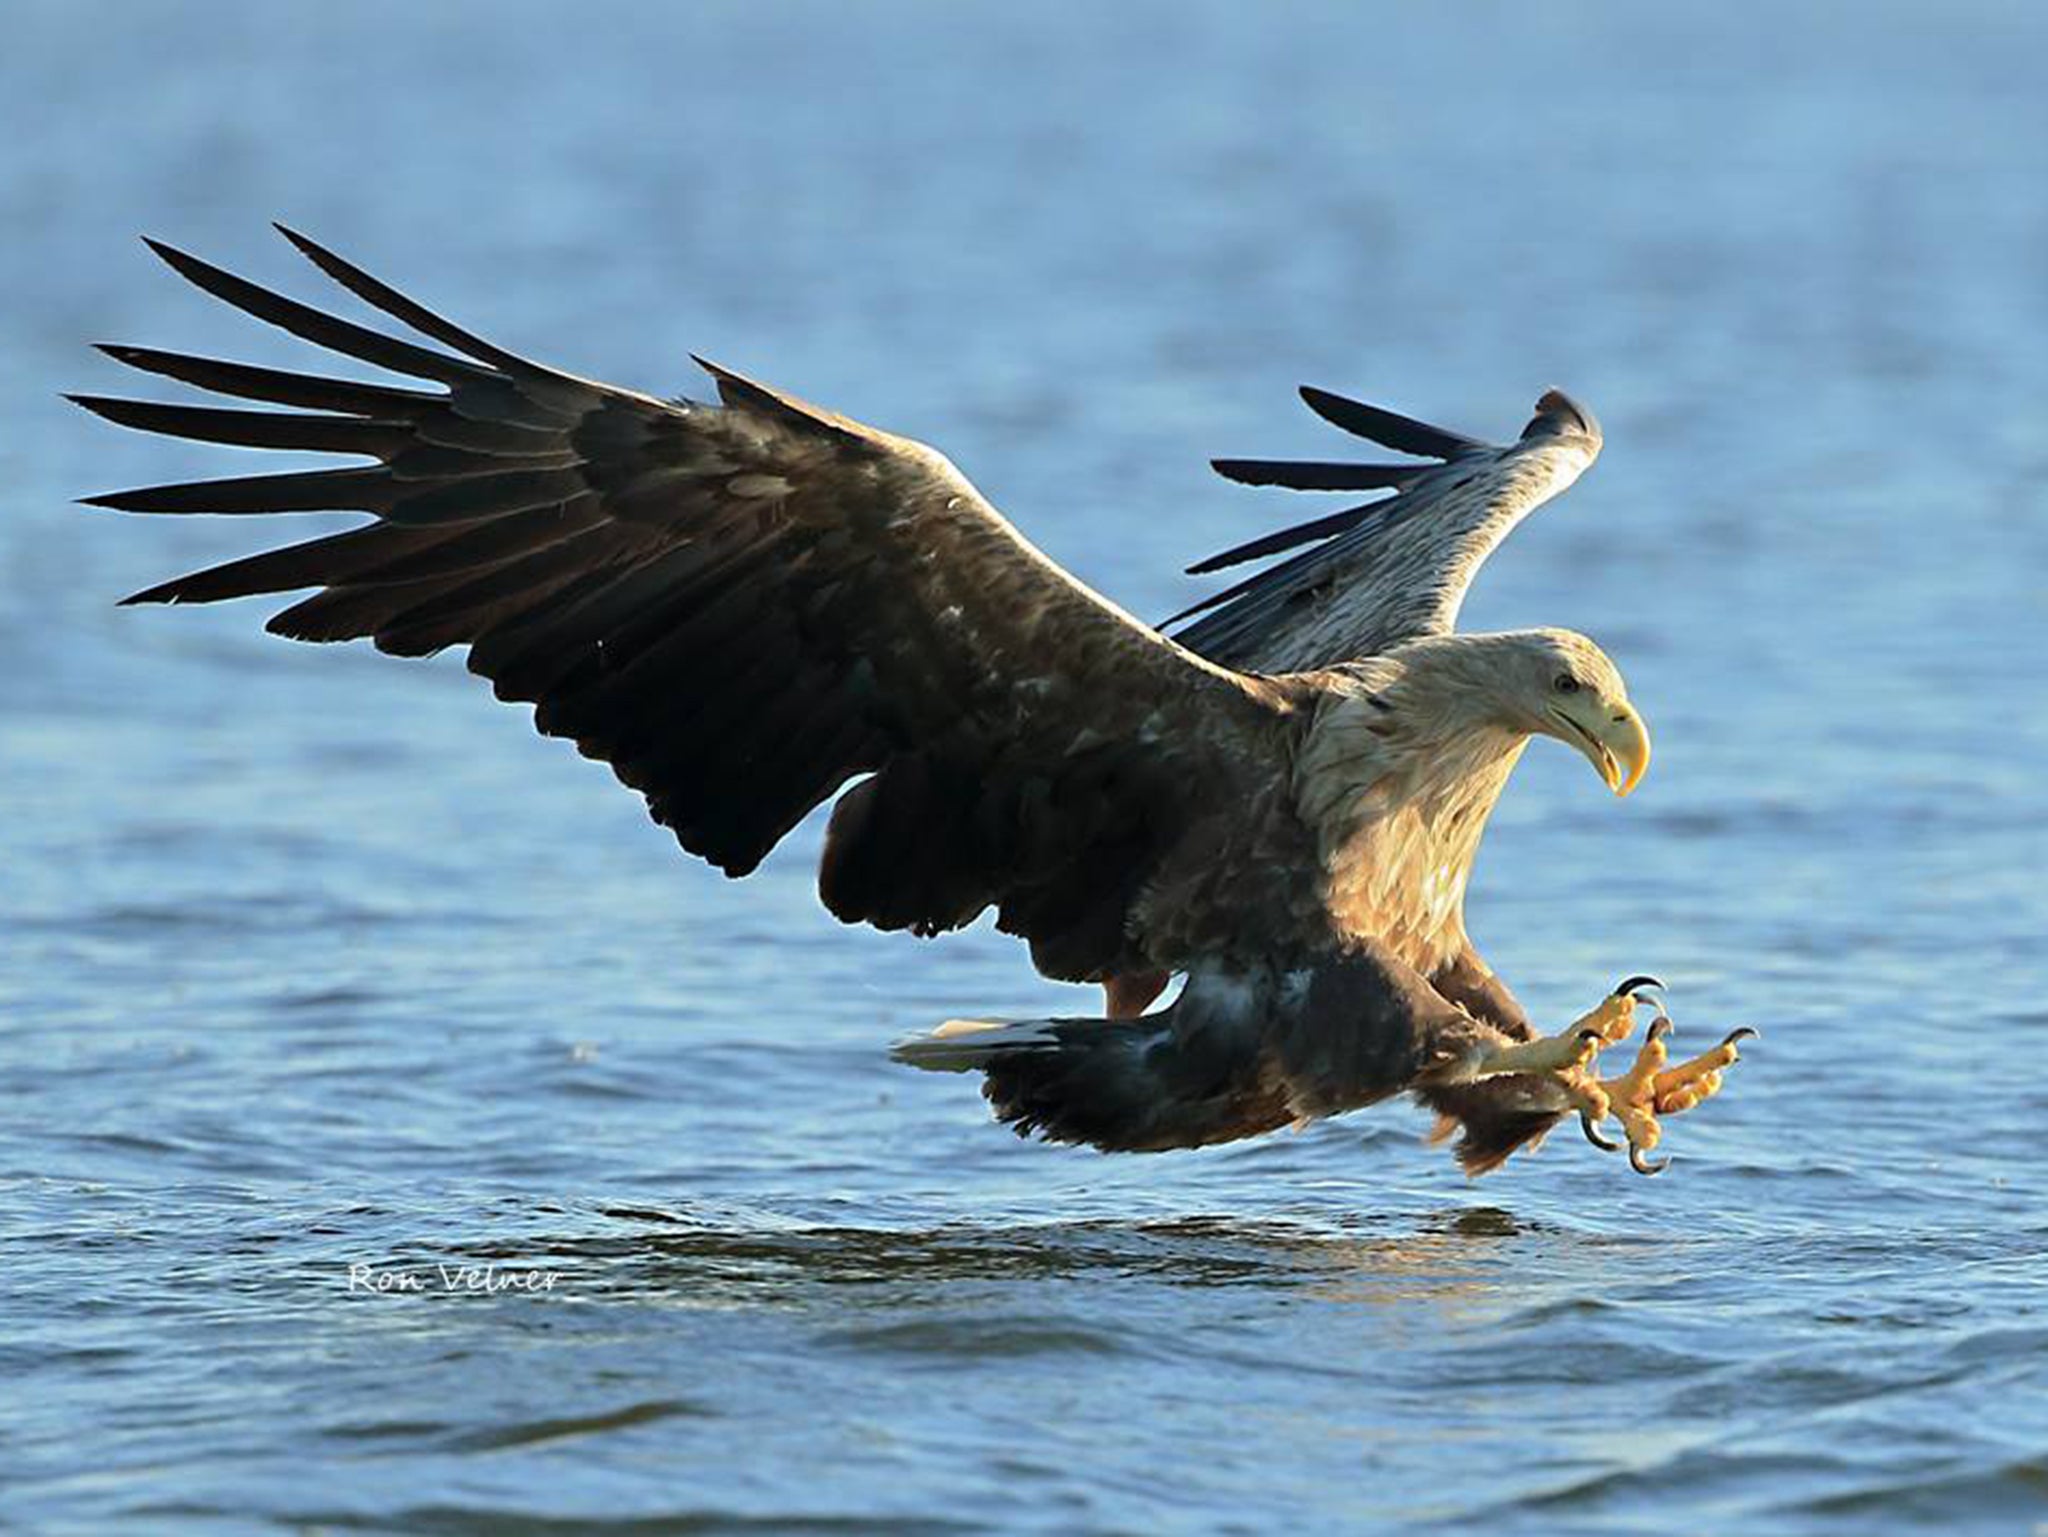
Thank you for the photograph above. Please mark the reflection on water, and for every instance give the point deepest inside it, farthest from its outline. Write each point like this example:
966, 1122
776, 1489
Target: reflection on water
688, 1260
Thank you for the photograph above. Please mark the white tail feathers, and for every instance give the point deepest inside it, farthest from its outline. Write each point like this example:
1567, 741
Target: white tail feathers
953, 1027
963, 1045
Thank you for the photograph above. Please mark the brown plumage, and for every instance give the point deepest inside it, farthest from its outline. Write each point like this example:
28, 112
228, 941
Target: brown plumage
745, 608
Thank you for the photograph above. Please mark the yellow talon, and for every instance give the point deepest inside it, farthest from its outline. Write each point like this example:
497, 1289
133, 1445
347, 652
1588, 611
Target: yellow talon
1649, 1089
1682, 1087
1566, 1058
1569, 1051
1634, 1096
1613, 1020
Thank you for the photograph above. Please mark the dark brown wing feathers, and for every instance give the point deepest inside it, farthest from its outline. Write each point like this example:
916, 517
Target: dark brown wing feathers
741, 610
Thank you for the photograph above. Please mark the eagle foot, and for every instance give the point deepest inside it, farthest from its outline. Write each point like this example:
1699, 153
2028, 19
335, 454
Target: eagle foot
1566, 1055
1650, 1089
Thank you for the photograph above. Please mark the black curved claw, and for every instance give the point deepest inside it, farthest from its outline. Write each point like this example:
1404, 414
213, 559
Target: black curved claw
1642, 1165
1628, 987
1744, 1034
1593, 1134
1660, 1027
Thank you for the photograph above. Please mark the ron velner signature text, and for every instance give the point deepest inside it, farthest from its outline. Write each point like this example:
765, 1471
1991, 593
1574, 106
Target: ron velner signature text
480, 1279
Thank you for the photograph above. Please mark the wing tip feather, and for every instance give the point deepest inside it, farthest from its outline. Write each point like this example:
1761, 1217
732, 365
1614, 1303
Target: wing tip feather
177, 260
1559, 414
1319, 474
307, 246
1389, 429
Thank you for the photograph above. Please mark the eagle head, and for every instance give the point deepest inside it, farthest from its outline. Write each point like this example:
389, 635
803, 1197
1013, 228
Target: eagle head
1558, 683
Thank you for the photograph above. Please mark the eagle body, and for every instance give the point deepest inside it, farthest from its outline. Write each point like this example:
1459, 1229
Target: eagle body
751, 607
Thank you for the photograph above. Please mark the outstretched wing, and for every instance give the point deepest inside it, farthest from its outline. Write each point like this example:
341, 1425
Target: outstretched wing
1384, 571
740, 609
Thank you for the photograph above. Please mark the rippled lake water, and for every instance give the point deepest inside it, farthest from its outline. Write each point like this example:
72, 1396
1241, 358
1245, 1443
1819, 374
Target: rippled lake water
312, 961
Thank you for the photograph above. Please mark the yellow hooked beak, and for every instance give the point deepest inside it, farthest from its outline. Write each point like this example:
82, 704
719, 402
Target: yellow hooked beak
1614, 740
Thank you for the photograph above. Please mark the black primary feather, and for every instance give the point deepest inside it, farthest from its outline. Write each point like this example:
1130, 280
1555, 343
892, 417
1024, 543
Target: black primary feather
248, 382
1311, 475
312, 325
1387, 428
1287, 538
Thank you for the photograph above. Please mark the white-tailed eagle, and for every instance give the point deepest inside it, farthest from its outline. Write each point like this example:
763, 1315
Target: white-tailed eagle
750, 608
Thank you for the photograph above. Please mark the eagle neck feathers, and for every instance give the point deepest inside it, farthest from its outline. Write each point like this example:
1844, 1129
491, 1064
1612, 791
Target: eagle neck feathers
1397, 778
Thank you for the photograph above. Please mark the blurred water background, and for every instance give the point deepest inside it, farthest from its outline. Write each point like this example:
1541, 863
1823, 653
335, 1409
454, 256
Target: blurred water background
311, 960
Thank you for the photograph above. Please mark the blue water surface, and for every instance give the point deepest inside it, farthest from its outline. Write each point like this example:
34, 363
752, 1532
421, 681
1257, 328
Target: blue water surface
316, 967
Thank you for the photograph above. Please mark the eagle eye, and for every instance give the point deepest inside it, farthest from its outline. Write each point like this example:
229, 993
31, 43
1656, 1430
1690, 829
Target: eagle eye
1566, 683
